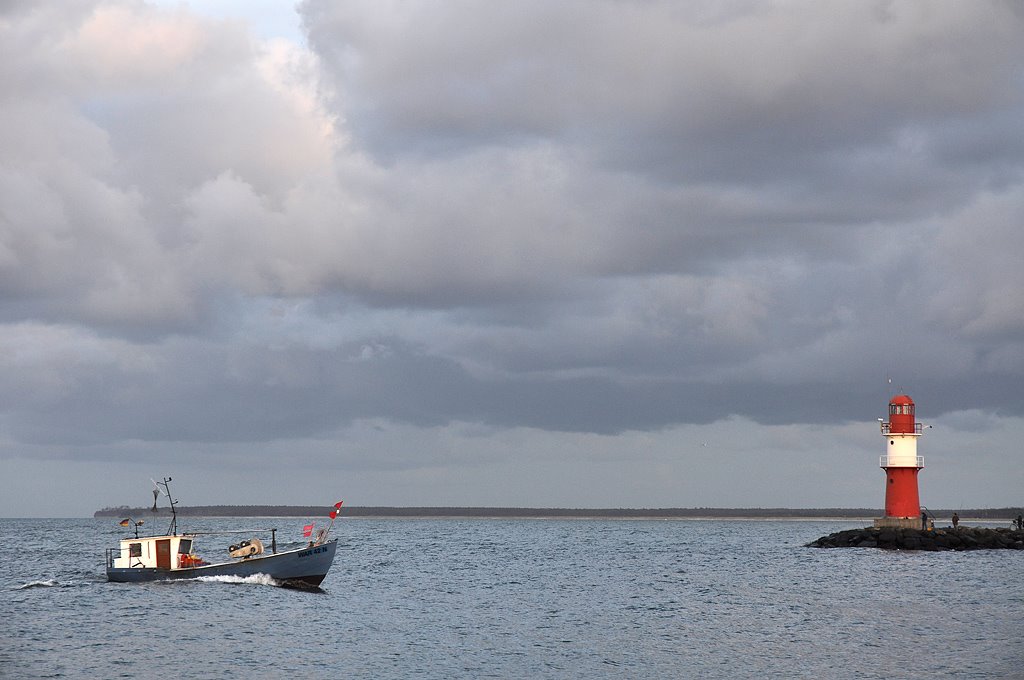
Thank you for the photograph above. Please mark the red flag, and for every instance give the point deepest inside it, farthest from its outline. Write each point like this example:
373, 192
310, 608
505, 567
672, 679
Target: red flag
337, 506
307, 530
334, 513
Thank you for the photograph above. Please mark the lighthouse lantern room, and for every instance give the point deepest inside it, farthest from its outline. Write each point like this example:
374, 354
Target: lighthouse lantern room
901, 465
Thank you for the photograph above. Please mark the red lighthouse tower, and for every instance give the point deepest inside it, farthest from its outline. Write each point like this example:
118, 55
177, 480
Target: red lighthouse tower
901, 464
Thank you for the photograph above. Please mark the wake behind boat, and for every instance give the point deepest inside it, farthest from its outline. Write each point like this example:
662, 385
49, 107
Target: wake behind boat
174, 556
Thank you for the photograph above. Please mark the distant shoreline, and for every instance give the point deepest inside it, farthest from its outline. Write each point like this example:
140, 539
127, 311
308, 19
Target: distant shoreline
545, 513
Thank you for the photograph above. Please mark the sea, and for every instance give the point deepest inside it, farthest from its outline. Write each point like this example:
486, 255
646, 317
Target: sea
517, 598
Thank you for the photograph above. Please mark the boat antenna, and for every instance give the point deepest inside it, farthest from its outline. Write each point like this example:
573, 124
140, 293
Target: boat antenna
173, 529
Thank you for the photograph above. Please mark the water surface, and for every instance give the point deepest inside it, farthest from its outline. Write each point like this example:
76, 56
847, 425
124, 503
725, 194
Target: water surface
508, 598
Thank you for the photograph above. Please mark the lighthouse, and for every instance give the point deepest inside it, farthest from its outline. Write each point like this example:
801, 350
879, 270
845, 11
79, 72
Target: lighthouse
901, 465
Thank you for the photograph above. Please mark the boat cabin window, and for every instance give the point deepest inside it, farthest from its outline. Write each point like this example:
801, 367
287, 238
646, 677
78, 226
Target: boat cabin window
185, 546
135, 550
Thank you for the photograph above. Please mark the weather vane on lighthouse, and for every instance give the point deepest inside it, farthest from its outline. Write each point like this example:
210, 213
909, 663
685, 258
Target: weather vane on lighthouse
901, 464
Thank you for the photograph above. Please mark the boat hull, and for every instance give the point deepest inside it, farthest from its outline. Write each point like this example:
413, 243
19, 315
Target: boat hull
305, 568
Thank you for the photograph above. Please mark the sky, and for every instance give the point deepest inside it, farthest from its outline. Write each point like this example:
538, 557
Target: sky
612, 253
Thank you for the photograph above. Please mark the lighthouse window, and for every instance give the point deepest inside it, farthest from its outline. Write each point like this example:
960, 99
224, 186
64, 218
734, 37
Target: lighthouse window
892, 442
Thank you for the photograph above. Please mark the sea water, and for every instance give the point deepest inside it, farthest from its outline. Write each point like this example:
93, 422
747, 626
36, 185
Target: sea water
518, 598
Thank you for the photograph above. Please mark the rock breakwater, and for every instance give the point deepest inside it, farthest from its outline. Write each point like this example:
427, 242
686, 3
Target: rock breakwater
961, 538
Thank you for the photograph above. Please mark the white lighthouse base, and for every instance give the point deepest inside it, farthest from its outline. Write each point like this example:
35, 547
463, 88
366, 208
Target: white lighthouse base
898, 522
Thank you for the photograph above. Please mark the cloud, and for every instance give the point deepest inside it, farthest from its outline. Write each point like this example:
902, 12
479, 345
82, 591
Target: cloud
976, 251
771, 84
612, 220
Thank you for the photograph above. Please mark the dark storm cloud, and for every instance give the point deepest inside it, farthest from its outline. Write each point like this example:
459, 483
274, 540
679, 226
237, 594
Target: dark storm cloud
224, 394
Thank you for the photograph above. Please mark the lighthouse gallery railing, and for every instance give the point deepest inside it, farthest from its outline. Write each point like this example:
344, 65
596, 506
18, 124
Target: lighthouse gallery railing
917, 428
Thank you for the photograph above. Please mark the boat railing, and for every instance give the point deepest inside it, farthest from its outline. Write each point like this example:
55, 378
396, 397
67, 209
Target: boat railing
226, 531
111, 555
273, 534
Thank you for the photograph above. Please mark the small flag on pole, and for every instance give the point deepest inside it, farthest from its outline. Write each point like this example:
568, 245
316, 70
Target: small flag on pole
125, 522
307, 530
337, 507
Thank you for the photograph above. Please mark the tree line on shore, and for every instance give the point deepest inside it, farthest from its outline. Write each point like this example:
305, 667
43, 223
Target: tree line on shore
622, 513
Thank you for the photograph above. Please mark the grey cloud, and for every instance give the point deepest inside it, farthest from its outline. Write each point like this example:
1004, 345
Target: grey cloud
569, 218
795, 80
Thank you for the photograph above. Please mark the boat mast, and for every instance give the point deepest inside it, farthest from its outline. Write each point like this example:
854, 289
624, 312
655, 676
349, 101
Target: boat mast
173, 529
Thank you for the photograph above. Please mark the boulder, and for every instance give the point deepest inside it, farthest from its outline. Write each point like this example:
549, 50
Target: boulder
909, 541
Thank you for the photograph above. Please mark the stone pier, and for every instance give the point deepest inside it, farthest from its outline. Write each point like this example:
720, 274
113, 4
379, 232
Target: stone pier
901, 538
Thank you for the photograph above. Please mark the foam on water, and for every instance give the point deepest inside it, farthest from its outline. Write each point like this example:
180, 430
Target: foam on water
40, 584
255, 579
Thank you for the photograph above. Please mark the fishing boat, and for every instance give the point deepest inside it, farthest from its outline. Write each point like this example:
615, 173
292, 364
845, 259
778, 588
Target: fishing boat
175, 556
